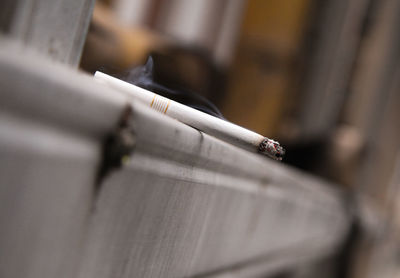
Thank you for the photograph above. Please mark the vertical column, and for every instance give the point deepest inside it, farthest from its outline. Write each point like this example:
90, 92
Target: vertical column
56, 28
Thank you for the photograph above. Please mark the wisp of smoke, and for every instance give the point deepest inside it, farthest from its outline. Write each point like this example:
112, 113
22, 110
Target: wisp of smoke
143, 77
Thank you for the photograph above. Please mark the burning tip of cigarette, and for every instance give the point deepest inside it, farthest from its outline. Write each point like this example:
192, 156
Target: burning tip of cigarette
272, 149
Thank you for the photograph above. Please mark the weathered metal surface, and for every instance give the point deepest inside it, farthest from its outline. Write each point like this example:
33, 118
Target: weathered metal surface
56, 28
52, 123
185, 204
189, 204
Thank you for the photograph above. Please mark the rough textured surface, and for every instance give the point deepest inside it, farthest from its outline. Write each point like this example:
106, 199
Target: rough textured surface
185, 204
188, 204
52, 122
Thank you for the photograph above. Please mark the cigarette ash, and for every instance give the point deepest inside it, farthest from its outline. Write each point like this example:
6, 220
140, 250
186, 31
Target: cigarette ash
143, 76
272, 149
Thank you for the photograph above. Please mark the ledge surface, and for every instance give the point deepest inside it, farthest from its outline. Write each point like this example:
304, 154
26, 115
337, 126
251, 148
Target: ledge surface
186, 204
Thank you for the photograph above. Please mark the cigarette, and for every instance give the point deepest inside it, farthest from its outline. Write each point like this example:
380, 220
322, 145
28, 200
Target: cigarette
224, 130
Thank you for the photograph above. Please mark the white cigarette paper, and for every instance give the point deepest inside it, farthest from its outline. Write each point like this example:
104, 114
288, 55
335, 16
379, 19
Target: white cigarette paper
216, 127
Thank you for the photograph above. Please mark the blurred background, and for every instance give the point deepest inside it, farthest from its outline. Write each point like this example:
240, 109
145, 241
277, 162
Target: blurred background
322, 77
